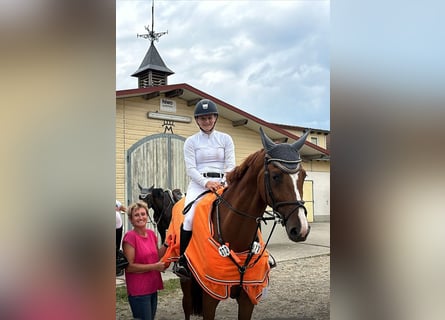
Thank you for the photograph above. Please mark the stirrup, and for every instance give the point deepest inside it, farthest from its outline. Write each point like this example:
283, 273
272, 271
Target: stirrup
272, 262
181, 271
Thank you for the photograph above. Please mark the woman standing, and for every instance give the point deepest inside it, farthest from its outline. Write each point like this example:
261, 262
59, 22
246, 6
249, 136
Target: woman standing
142, 275
121, 261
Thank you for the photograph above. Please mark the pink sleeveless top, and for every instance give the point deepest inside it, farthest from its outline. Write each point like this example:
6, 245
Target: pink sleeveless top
146, 252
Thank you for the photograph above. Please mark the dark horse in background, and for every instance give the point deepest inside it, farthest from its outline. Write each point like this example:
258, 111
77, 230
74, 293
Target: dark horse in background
161, 201
272, 176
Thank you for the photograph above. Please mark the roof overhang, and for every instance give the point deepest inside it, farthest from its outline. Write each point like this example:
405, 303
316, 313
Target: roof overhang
238, 117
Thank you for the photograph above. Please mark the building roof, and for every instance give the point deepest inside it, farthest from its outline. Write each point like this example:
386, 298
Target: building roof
238, 117
152, 61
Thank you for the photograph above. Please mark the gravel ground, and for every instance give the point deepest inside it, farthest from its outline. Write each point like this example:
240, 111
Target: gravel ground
299, 290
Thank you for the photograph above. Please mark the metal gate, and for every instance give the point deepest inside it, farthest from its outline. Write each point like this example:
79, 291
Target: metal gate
156, 160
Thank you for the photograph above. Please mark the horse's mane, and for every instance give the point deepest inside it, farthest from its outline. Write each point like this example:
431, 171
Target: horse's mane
238, 172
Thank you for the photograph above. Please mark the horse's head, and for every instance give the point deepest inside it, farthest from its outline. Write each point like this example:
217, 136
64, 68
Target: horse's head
153, 197
146, 195
283, 180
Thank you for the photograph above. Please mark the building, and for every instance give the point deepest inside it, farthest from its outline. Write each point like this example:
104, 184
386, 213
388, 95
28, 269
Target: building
153, 121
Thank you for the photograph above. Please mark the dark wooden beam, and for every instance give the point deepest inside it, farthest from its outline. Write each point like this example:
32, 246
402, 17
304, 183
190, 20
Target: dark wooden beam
280, 140
174, 93
193, 102
152, 95
240, 122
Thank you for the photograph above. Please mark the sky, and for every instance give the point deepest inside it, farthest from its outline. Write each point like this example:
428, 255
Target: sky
269, 58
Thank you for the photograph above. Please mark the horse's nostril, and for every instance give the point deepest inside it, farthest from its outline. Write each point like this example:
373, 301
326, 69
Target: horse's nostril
294, 232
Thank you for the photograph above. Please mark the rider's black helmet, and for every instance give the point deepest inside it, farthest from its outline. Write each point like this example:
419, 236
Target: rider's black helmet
205, 107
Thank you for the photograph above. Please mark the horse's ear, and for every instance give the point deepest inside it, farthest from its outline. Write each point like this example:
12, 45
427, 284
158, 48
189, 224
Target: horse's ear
151, 188
140, 187
300, 142
268, 144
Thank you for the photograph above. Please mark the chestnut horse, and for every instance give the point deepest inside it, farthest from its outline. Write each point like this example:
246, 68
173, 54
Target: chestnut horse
272, 176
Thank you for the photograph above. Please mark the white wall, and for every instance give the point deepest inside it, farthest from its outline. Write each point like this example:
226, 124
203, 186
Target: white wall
321, 193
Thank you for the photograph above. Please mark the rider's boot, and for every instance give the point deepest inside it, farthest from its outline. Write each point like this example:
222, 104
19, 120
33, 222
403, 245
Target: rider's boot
182, 268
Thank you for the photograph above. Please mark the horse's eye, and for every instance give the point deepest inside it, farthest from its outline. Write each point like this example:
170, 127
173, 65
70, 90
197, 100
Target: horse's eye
277, 177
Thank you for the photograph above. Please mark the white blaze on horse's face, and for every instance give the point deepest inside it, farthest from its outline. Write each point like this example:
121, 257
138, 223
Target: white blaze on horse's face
303, 220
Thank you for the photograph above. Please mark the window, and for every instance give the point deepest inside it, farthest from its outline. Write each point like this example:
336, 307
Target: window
314, 140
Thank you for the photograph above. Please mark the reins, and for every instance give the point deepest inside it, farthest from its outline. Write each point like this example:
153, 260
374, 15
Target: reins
275, 215
169, 201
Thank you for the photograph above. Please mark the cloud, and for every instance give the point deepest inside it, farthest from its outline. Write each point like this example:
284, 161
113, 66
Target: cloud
252, 54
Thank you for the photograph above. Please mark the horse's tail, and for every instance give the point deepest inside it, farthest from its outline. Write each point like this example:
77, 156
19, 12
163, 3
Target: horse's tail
196, 298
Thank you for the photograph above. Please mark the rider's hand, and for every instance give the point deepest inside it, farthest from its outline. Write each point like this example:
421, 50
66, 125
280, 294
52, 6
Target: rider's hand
213, 185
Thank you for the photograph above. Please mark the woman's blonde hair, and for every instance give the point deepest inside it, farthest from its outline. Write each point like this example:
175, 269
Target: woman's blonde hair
136, 205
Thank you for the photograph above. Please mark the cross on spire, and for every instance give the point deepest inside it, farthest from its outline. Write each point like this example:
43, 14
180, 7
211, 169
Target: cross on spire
152, 35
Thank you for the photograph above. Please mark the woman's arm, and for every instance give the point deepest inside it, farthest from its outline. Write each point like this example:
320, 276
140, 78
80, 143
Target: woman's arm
139, 267
190, 164
229, 155
162, 250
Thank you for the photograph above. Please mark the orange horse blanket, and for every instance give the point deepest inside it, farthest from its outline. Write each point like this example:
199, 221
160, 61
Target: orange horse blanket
215, 274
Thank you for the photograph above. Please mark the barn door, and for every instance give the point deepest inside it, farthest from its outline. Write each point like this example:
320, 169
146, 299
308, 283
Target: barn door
308, 197
156, 160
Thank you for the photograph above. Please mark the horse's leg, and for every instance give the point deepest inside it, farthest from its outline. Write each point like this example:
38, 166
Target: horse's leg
245, 306
187, 298
209, 305
162, 231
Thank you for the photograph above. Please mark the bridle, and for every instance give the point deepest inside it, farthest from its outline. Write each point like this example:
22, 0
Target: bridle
168, 203
279, 163
274, 215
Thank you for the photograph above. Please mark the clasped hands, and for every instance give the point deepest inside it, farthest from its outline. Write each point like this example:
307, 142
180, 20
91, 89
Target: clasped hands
213, 185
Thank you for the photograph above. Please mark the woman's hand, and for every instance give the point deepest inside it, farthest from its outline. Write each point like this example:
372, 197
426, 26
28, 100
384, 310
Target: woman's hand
213, 185
159, 266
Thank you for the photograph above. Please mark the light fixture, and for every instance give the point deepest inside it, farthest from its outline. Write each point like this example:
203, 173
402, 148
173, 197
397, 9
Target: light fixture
171, 117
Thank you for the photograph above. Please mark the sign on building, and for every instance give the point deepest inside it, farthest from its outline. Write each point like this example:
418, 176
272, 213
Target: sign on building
168, 105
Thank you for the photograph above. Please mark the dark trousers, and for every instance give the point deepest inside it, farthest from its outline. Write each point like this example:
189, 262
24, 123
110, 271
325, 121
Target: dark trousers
144, 307
118, 238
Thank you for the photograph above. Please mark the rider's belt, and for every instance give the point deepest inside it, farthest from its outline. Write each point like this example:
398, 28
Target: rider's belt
212, 175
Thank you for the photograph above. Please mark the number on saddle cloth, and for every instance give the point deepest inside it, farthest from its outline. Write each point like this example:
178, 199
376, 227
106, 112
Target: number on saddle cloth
224, 251
256, 247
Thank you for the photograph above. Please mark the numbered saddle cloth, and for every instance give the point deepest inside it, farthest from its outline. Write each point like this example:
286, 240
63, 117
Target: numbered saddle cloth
216, 274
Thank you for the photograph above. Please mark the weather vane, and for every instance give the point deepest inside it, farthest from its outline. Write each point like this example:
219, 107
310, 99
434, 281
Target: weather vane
152, 35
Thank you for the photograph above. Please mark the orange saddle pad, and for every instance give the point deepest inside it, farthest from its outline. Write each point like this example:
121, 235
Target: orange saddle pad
215, 274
